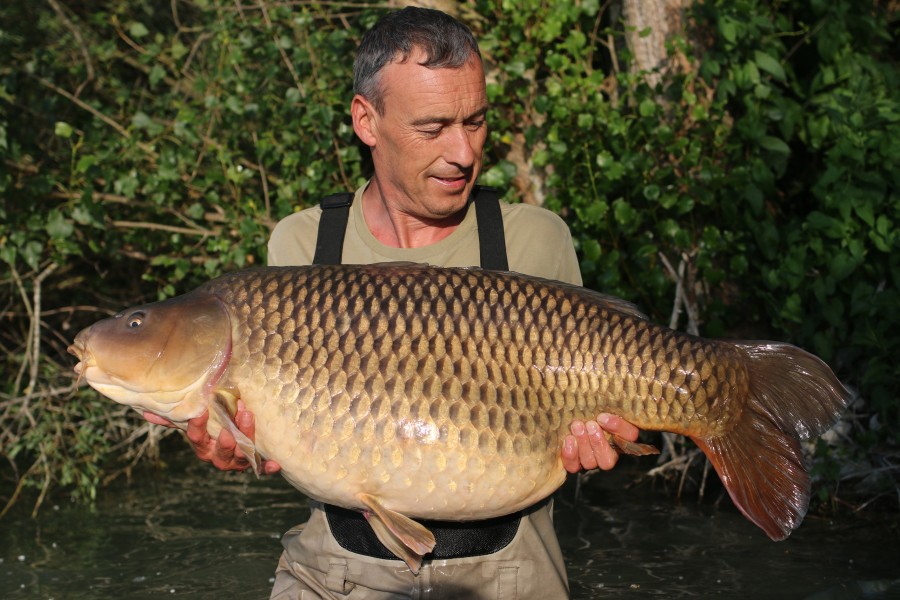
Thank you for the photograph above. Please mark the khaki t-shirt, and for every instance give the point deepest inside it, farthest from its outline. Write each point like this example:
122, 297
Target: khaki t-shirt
538, 242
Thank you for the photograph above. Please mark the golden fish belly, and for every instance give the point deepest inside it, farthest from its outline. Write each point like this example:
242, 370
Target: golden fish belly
447, 392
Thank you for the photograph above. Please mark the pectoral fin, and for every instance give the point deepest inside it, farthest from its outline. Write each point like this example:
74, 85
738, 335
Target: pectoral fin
219, 409
408, 540
628, 447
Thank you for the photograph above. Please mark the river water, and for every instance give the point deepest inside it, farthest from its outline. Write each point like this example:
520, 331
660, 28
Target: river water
194, 533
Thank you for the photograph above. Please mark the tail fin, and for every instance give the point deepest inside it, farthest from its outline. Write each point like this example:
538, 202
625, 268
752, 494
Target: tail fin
793, 396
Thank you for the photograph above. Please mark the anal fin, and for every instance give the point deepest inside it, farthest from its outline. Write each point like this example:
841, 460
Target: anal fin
624, 446
408, 540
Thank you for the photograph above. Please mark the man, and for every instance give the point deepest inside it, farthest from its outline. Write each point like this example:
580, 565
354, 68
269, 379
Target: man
420, 105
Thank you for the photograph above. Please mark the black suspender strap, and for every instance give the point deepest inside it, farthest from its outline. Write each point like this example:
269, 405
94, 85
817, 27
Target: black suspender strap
332, 227
491, 239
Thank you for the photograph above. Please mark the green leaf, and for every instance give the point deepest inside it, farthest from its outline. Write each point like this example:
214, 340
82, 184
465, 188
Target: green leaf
138, 30
63, 129
8, 253
728, 29
830, 226
647, 107
651, 192
58, 226
774, 144
141, 120
85, 162
157, 74
767, 63
624, 213
31, 253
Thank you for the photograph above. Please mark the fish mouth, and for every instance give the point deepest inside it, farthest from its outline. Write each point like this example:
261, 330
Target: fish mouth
78, 349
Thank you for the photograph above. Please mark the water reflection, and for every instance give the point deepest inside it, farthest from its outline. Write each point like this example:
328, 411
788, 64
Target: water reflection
642, 543
195, 533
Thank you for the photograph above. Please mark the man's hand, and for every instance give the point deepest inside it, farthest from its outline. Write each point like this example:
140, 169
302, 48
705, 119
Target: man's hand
587, 447
223, 452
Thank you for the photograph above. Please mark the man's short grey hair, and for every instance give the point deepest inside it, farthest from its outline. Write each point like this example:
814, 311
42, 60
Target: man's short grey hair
446, 42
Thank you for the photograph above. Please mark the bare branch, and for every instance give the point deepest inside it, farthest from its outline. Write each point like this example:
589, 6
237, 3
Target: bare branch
84, 105
160, 227
88, 64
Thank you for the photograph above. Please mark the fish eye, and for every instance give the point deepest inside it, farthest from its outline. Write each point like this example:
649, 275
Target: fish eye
136, 319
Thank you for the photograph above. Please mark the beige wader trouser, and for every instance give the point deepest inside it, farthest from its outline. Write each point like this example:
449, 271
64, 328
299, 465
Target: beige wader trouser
314, 566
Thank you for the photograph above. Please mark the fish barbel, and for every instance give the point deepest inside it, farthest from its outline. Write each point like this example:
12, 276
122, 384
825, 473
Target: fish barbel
410, 391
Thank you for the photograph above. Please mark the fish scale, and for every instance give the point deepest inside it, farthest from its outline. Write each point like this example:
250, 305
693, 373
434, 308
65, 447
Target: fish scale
417, 391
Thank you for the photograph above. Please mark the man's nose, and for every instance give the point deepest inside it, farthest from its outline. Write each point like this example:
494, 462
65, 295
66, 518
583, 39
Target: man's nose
462, 146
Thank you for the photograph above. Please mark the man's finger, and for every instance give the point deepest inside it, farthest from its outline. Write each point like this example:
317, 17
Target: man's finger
196, 431
157, 420
618, 426
270, 467
569, 453
585, 452
226, 455
245, 421
602, 453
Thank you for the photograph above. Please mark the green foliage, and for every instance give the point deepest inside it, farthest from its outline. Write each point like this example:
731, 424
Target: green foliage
147, 147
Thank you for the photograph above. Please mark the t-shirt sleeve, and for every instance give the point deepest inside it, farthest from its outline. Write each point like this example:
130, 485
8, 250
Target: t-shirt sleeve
539, 243
293, 241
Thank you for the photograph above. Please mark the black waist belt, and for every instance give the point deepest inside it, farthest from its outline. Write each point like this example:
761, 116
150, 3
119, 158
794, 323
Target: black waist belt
453, 539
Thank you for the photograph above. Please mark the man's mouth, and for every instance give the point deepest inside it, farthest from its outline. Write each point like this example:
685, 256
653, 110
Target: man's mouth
457, 181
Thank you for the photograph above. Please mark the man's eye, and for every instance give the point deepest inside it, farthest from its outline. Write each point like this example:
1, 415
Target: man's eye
475, 125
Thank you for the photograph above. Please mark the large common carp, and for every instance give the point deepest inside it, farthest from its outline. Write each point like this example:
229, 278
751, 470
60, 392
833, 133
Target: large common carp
415, 391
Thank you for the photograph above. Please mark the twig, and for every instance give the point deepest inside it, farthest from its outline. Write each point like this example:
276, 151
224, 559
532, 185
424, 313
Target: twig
48, 477
160, 227
194, 48
284, 56
175, 19
103, 197
681, 299
84, 105
125, 38
36, 325
19, 487
678, 278
238, 7
264, 178
89, 66
21, 288
684, 472
703, 480
595, 37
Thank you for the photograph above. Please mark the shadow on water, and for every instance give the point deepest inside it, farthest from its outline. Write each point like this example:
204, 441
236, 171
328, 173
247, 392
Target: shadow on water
195, 533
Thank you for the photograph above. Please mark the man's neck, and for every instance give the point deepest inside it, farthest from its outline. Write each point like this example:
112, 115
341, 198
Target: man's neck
397, 228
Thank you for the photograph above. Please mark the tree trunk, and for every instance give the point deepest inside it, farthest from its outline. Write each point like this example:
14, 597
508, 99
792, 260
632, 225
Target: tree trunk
649, 24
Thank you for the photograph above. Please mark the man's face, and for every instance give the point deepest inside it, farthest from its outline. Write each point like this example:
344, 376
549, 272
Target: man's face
428, 143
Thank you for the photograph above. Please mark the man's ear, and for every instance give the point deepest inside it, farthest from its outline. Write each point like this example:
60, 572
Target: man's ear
365, 120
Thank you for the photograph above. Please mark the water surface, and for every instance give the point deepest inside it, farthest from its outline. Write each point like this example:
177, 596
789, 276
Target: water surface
193, 532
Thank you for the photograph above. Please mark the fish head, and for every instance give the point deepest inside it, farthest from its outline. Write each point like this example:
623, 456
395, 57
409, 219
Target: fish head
165, 357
